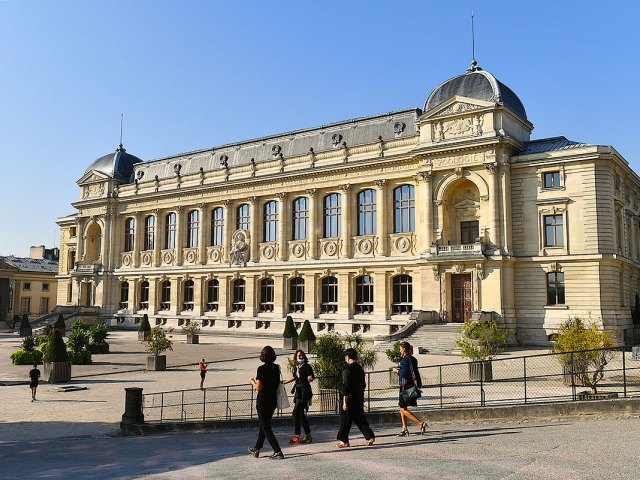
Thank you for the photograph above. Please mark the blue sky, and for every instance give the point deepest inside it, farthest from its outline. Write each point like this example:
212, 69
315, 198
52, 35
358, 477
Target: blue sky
192, 74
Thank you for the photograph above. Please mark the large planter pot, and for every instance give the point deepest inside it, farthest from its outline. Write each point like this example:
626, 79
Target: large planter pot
329, 400
57, 372
193, 339
290, 343
26, 332
143, 335
480, 371
156, 363
305, 345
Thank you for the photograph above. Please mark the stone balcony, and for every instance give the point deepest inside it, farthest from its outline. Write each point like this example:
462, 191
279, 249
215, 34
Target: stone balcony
81, 269
470, 250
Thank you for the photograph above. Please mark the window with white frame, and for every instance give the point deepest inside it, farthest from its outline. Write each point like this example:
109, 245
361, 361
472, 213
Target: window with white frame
402, 301
266, 295
170, 231
296, 294
553, 230
367, 212
188, 293
332, 215
404, 216
300, 218
217, 226
149, 232
270, 221
213, 292
193, 228
243, 217
555, 288
329, 298
129, 234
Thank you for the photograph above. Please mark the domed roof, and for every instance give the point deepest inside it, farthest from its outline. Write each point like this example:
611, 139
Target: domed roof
478, 84
118, 165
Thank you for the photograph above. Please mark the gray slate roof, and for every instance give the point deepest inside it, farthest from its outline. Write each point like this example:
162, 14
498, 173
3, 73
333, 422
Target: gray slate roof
30, 264
118, 164
358, 131
550, 144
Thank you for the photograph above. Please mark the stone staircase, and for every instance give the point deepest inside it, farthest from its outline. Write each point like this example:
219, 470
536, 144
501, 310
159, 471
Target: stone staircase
436, 338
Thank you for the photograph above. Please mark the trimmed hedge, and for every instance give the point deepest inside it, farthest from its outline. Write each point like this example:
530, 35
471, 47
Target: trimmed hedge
56, 350
98, 348
24, 323
22, 357
306, 333
289, 328
59, 324
144, 326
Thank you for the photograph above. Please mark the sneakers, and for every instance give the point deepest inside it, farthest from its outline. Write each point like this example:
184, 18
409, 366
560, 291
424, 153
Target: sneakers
32, 399
277, 456
423, 428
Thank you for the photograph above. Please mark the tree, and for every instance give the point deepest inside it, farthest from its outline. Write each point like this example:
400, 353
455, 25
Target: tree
158, 342
393, 354
56, 350
483, 339
330, 363
585, 351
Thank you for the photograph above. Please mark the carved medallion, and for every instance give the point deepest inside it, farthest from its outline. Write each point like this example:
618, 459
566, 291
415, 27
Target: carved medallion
146, 259
365, 246
167, 258
268, 252
126, 260
298, 250
190, 257
215, 255
330, 248
403, 244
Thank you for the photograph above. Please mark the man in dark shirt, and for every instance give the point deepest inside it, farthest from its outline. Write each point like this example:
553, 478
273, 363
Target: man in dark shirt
353, 385
34, 376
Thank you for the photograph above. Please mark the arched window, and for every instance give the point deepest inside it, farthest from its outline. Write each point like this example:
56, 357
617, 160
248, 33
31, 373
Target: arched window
193, 228
170, 231
217, 226
144, 295
213, 292
555, 288
149, 232
124, 295
402, 294
367, 212
296, 294
300, 218
165, 295
364, 294
404, 216
238, 304
129, 234
187, 299
271, 221
332, 215
243, 217
329, 301
266, 295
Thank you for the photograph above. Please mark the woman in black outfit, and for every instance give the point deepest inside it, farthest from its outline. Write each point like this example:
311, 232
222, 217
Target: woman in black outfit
409, 375
303, 376
266, 384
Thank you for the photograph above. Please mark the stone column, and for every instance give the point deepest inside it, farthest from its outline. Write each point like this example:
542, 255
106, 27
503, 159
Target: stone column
344, 295
158, 237
254, 227
176, 285
382, 217
180, 227
133, 294
424, 210
228, 229
105, 235
138, 231
311, 300
202, 233
346, 220
250, 297
283, 222
313, 223
224, 299
279, 295
80, 239
154, 299
494, 204
198, 297
380, 295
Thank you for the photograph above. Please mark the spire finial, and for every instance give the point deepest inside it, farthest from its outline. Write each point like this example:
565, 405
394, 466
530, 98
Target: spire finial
121, 147
474, 65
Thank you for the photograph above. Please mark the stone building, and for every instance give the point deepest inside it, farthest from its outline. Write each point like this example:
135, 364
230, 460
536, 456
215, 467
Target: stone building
363, 225
28, 285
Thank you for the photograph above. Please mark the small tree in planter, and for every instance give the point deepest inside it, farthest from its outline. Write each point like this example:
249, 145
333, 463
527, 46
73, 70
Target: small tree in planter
158, 342
60, 324
57, 367
192, 331
290, 335
25, 327
98, 343
394, 356
589, 352
76, 344
307, 338
481, 341
144, 329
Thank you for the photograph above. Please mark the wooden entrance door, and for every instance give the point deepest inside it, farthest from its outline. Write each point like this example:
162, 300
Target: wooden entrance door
461, 297
469, 231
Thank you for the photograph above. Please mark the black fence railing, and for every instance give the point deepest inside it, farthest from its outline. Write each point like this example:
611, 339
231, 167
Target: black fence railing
509, 381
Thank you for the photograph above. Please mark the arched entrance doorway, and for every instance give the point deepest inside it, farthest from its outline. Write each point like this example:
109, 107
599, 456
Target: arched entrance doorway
93, 243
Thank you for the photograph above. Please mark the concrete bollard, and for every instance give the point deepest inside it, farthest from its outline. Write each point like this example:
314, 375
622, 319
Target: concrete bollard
133, 407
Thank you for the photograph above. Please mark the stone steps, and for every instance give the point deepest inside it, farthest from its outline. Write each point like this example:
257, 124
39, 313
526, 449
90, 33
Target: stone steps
440, 338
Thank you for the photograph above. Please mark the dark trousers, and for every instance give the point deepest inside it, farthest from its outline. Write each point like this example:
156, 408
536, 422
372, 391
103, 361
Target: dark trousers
354, 414
265, 412
300, 418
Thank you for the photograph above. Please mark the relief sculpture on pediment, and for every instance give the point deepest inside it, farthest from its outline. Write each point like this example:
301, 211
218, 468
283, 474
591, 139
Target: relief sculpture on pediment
458, 127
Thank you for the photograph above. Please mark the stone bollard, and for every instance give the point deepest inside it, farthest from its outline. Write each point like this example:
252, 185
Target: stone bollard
132, 409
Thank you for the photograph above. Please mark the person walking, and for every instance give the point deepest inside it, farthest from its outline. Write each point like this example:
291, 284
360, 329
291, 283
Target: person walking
353, 385
34, 376
266, 384
203, 372
408, 377
303, 376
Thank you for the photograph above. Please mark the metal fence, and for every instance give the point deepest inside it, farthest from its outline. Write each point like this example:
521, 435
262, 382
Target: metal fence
509, 381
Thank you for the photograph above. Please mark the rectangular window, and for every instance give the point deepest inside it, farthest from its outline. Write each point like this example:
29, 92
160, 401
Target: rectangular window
170, 231
72, 232
149, 232
243, 217
25, 305
332, 215
404, 216
553, 231
44, 306
300, 218
367, 212
271, 222
193, 228
296, 295
266, 295
45, 287
129, 234
27, 286
217, 226
552, 179
555, 288
212, 296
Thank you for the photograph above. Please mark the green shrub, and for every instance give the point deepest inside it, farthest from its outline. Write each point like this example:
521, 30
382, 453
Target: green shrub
306, 333
330, 363
59, 324
289, 328
98, 333
144, 326
43, 346
393, 354
98, 348
483, 339
40, 339
22, 357
56, 350
78, 337
28, 344
80, 358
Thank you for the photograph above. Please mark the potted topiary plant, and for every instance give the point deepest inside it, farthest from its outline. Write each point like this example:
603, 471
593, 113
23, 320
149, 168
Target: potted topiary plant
57, 367
144, 329
60, 325
394, 356
97, 343
25, 327
585, 351
192, 331
290, 335
76, 344
307, 338
481, 341
158, 342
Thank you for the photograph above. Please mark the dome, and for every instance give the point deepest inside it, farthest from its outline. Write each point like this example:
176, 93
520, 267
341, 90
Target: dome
478, 84
118, 165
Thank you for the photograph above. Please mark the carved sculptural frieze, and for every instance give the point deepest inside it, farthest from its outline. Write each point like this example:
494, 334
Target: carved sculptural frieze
239, 254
